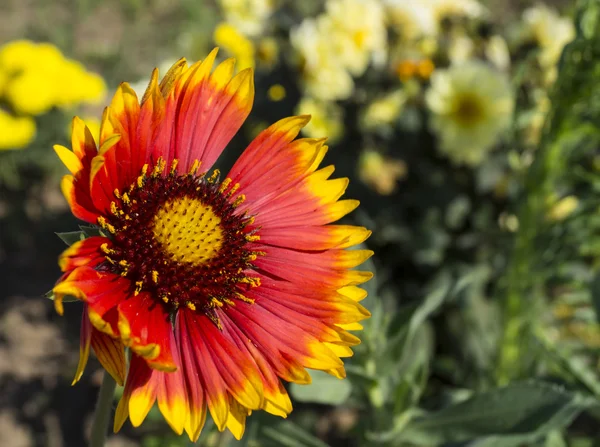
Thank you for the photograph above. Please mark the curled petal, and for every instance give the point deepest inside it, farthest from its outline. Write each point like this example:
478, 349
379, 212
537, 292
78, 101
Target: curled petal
145, 327
139, 394
84, 252
109, 351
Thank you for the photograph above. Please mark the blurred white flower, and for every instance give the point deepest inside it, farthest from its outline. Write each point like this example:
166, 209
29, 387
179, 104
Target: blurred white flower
379, 172
455, 8
445, 9
326, 119
410, 20
358, 32
384, 111
550, 32
497, 52
340, 43
462, 48
470, 105
248, 16
324, 76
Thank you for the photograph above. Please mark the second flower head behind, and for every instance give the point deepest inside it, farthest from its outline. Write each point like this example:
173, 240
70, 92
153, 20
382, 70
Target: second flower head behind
221, 287
471, 105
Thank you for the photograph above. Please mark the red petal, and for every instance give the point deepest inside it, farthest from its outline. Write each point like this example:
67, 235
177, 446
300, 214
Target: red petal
281, 340
123, 156
239, 373
145, 326
139, 394
195, 387
276, 399
282, 359
85, 337
268, 154
110, 353
207, 110
312, 238
172, 394
214, 386
77, 194
85, 252
102, 292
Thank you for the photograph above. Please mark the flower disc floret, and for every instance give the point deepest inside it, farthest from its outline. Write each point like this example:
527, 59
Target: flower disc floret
181, 238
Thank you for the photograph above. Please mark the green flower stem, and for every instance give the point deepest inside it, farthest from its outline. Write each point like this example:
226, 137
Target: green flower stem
103, 410
572, 99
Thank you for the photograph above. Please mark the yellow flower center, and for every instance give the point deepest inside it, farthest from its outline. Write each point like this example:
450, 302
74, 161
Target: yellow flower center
360, 38
469, 110
182, 239
188, 230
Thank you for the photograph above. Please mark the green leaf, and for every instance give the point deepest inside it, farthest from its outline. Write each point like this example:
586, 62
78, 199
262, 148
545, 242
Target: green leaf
572, 366
71, 237
66, 299
595, 292
506, 416
288, 434
91, 230
397, 346
324, 389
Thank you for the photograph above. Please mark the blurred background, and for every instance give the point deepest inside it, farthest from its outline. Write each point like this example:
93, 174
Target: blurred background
470, 132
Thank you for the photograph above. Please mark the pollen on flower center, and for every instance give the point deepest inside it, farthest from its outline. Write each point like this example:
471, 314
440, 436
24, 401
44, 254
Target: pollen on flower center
188, 230
182, 239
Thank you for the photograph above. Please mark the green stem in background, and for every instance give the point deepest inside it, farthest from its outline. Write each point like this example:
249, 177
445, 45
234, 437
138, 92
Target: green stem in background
572, 102
103, 410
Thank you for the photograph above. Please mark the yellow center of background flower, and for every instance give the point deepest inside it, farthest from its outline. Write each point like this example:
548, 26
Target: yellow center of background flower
469, 110
188, 230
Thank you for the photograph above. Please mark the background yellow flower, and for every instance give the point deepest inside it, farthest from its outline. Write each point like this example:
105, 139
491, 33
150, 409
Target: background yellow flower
471, 106
17, 131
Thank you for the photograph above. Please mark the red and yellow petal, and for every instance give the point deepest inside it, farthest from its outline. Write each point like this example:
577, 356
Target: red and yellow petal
124, 156
236, 420
275, 398
141, 389
102, 292
207, 110
288, 348
145, 327
75, 187
76, 192
172, 395
145, 386
153, 131
85, 339
84, 252
83, 145
314, 238
239, 374
196, 416
214, 387
271, 162
227, 374
82, 141
328, 306
109, 351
